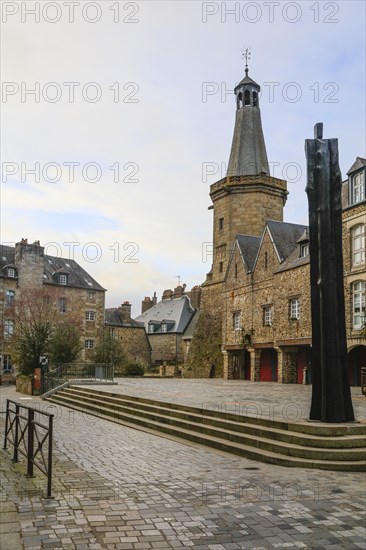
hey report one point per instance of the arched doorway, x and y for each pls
(356, 360)
(268, 366)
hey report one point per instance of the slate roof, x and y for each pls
(249, 247)
(247, 80)
(285, 237)
(359, 163)
(188, 333)
(293, 261)
(178, 310)
(77, 276)
(7, 257)
(113, 317)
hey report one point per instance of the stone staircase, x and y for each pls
(306, 445)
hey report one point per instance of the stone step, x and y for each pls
(229, 429)
(265, 449)
(314, 428)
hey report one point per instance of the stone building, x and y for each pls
(79, 297)
(255, 308)
(241, 204)
(130, 333)
(354, 263)
(166, 323)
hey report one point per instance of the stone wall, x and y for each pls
(243, 204)
(205, 348)
(135, 344)
(166, 347)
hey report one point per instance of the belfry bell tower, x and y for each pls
(248, 195)
(242, 202)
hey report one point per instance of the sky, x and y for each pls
(116, 117)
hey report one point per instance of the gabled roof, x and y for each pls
(359, 163)
(77, 276)
(113, 317)
(284, 237)
(248, 246)
(178, 310)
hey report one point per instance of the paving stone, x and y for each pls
(119, 488)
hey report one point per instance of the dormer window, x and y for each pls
(11, 272)
(164, 327)
(304, 250)
(151, 329)
(62, 279)
(357, 188)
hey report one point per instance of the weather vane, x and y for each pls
(178, 277)
(246, 55)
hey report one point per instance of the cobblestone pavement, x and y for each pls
(119, 488)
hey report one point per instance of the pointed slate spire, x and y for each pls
(248, 155)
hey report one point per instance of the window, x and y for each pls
(265, 260)
(9, 298)
(90, 315)
(164, 327)
(236, 271)
(304, 250)
(91, 296)
(267, 316)
(358, 306)
(151, 329)
(112, 333)
(295, 309)
(89, 344)
(221, 223)
(62, 279)
(358, 245)
(11, 272)
(358, 188)
(8, 328)
(7, 364)
(236, 320)
(62, 305)
(221, 267)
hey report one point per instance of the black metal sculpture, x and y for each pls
(331, 396)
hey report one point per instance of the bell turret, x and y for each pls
(248, 155)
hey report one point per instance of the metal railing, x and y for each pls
(86, 372)
(31, 438)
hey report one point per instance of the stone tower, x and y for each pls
(248, 195)
(242, 202)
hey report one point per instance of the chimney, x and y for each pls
(146, 304)
(195, 296)
(29, 260)
(155, 300)
(167, 294)
(178, 291)
(125, 310)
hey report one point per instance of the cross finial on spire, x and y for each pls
(246, 55)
